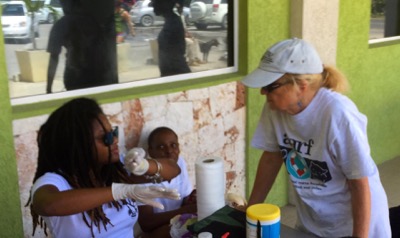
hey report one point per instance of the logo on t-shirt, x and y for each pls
(132, 208)
(297, 166)
(304, 168)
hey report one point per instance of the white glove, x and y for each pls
(144, 194)
(135, 161)
(234, 200)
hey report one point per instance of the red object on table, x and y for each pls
(225, 235)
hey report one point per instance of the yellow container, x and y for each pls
(263, 221)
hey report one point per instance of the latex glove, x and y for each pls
(135, 161)
(144, 194)
(235, 200)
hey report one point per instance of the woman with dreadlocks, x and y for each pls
(81, 189)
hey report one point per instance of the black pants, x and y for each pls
(394, 214)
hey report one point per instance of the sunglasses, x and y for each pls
(109, 136)
(270, 88)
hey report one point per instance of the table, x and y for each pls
(231, 220)
(289, 232)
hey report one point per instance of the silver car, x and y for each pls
(51, 11)
(209, 12)
(142, 14)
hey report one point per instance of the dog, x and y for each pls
(205, 48)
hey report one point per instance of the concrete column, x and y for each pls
(316, 21)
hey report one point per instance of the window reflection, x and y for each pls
(137, 57)
(385, 19)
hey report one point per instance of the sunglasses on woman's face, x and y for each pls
(109, 136)
(270, 88)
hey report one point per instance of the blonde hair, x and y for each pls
(330, 78)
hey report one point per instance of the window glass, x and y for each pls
(13, 10)
(55, 3)
(385, 19)
(211, 36)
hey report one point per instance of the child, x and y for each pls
(163, 143)
(80, 188)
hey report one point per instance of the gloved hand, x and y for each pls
(235, 200)
(144, 194)
(135, 161)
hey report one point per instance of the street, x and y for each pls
(139, 57)
(377, 28)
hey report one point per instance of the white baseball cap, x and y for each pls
(294, 56)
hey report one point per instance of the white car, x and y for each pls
(16, 21)
(142, 13)
(209, 12)
(46, 15)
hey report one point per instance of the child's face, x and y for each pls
(103, 150)
(165, 145)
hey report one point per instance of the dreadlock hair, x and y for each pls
(67, 147)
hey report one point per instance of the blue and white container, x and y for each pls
(263, 221)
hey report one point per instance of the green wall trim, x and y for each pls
(10, 210)
(389, 42)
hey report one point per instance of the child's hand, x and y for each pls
(191, 199)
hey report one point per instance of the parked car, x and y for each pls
(16, 21)
(209, 12)
(46, 15)
(142, 13)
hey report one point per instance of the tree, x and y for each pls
(378, 7)
(33, 7)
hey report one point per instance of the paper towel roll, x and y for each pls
(210, 186)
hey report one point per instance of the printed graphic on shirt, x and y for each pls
(297, 166)
(133, 209)
(304, 168)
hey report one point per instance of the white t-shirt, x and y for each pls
(74, 226)
(331, 146)
(181, 183)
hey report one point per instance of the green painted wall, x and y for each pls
(373, 72)
(268, 23)
(10, 211)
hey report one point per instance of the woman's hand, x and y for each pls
(135, 161)
(143, 194)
